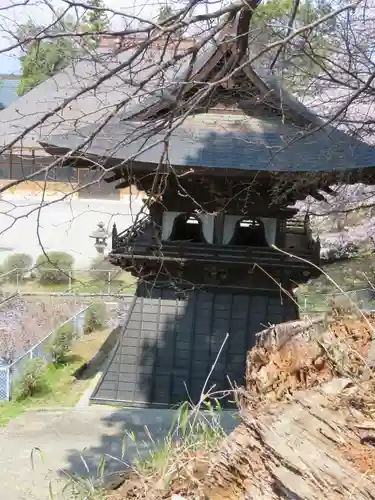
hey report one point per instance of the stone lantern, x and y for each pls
(100, 236)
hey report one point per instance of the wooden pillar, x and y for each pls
(219, 222)
(280, 233)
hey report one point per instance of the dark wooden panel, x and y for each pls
(21, 166)
(92, 185)
(170, 345)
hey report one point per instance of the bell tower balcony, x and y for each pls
(222, 242)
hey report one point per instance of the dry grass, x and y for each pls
(88, 345)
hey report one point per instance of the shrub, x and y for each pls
(60, 346)
(54, 267)
(17, 261)
(339, 250)
(95, 317)
(31, 381)
(100, 268)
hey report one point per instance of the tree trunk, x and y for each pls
(303, 449)
(302, 436)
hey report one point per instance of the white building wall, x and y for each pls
(65, 225)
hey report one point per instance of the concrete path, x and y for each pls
(84, 401)
(73, 441)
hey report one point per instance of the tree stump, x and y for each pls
(298, 450)
(302, 406)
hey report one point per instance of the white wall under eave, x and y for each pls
(270, 227)
(167, 224)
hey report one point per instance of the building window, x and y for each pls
(187, 227)
(249, 232)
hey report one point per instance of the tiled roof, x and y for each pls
(237, 142)
(90, 107)
(248, 142)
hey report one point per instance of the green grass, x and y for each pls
(353, 274)
(59, 391)
(61, 388)
(179, 462)
(125, 283)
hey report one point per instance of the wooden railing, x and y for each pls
(299, 226)
(126, 244)
(123, 239)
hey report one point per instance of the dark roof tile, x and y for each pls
(254, 145)
(91, 107)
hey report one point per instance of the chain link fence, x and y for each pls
(4, 383)
(363, 299)
(116, 313)
(9, 374)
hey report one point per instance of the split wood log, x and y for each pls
(303, 449)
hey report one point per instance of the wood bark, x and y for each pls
(302, 449)
(301, 436)
(277, 336)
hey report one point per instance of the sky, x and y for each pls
(16, 12)
(13, 13)
(9, 65)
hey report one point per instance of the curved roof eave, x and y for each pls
(323, 149)
(191, 145)
(287, 99)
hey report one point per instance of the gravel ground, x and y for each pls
(73, 442)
